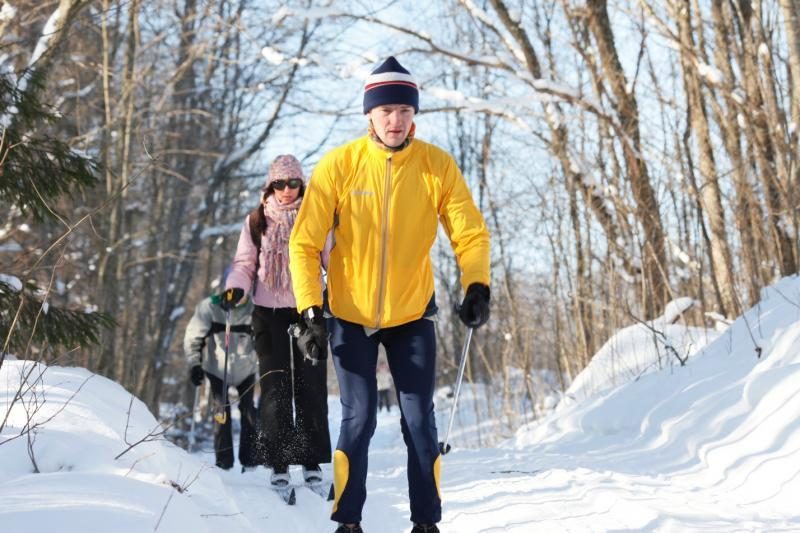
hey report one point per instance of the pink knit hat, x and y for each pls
(284, 167)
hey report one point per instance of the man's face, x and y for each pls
(392, 122)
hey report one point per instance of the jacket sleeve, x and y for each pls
(197, 331)
(465, 227)
(309, 235)
(243, 269)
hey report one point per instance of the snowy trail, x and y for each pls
(565, 485)
(387, 503)
(614, 464)
(265, 511)
(712, 446)
(495, 490)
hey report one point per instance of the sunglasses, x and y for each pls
(293, 183)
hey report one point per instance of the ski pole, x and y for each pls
(291, 332)
(222, 416)
(192, 438)
(443, 446)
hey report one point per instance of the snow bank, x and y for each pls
(639, 349)
(723, 431)
(76, 470)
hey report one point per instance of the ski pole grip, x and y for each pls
(294, 330)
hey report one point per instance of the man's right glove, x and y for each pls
(474, 310)
(230, 298)
(313, 338)
(196, 375)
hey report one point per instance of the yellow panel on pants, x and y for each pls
(437, 472)
(341, 472)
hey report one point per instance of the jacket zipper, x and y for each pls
(384, 240)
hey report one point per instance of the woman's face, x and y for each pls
(286, 191)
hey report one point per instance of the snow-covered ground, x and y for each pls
(710, 446)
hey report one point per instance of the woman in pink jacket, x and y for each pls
(293, 408)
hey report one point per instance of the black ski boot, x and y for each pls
(312, 473)
(349, 529)
(281, 482)
(280, 477)
(425, 528)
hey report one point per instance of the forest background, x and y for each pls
(624, 154)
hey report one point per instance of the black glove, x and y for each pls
(313, 338)
(196, 375)
(230, 298)
(474, 310)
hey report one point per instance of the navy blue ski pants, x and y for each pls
(411, 354)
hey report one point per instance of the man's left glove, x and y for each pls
(474, 310)
(313, 338)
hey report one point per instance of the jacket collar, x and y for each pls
(378, 151)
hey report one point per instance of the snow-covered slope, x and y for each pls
(710, 446)
(714, 445)
(639, 349)
(65, 476)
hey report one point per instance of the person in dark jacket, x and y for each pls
(207, 329)
(384, 382)
(294, 390)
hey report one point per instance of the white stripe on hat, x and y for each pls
(389, 76)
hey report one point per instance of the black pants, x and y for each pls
(286, 439)
(223, 438)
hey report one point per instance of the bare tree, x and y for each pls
(648, 214)
(759, 110)
(708, 191)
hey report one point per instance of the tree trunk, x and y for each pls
(106, 265)
(765, 150)
(791, 21)
(709, 193)
(748, 216)
(654, 260)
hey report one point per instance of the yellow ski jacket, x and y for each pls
(384, 208)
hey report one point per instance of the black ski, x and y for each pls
(286, 494)
(321, 489)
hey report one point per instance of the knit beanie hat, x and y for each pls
(390, 84)
(284, 167)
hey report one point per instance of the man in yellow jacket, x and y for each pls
(383, 195)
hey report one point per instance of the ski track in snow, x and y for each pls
(608, 483)
(504, 490)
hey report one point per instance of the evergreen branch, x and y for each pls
(57, 327)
